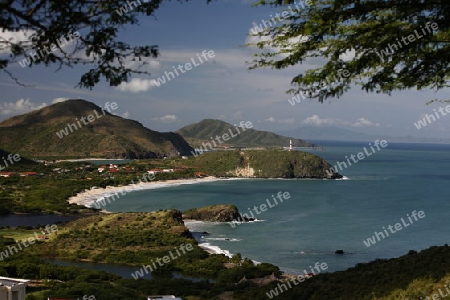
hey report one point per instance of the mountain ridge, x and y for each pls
(35, 134)
(207, 129)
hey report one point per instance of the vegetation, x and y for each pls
(265, 163)
(350, 38)
(97, 46)
(412, 276)
(126, 238)
(213, 213)
(202, 132)
(35, 135)
(49, 191)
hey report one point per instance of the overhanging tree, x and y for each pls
(43, 24)
(380, 45)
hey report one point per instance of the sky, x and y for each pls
(221, 87)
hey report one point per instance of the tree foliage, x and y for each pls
(380, 45)
(43, 23)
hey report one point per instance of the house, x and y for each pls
(7, 174)
(200, 174)
(12, 289)
(26, 174)
(167, 170)
(41, 237)
(163, 297)
(154, 171)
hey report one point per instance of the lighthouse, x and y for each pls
(290, 145)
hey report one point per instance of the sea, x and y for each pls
(389, 187)
(321, 216)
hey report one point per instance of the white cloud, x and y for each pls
(361, 122)
(281, 121)
(13, 37)
(21, 106)
(137, 85)
(166, 119)
(316, 120)
(60, 99)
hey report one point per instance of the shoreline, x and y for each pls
(211, 249)
(92, 159)
(198, 236)
(88, 197)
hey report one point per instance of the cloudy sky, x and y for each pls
(221, 87)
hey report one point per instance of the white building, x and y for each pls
(12, 289)
(163, 297)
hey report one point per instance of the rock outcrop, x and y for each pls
(213, 213)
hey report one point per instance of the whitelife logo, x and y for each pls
(49, 229)
(34, 56)
(12, 158)
(296, 280)
(280, 17)
(263, 207)
(406, 40)
(397, 226)
(225, 137)
(431, 118)
(187, 67)
(356, 158)
(86, 120)
(165, 260)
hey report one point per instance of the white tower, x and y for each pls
(290, 145)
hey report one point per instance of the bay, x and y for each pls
(322, 216)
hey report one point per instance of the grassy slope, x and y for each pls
(34, 134)
(129, 238)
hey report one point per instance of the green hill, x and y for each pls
(39, 134)
(203, 131)
(270, 163)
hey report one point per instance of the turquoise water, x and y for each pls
(325, 215)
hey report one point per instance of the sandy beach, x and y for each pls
(88, 197)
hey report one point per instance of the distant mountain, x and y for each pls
(203, 131)
(341, 134)
(58, 131)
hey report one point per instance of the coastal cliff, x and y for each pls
(264, 164)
